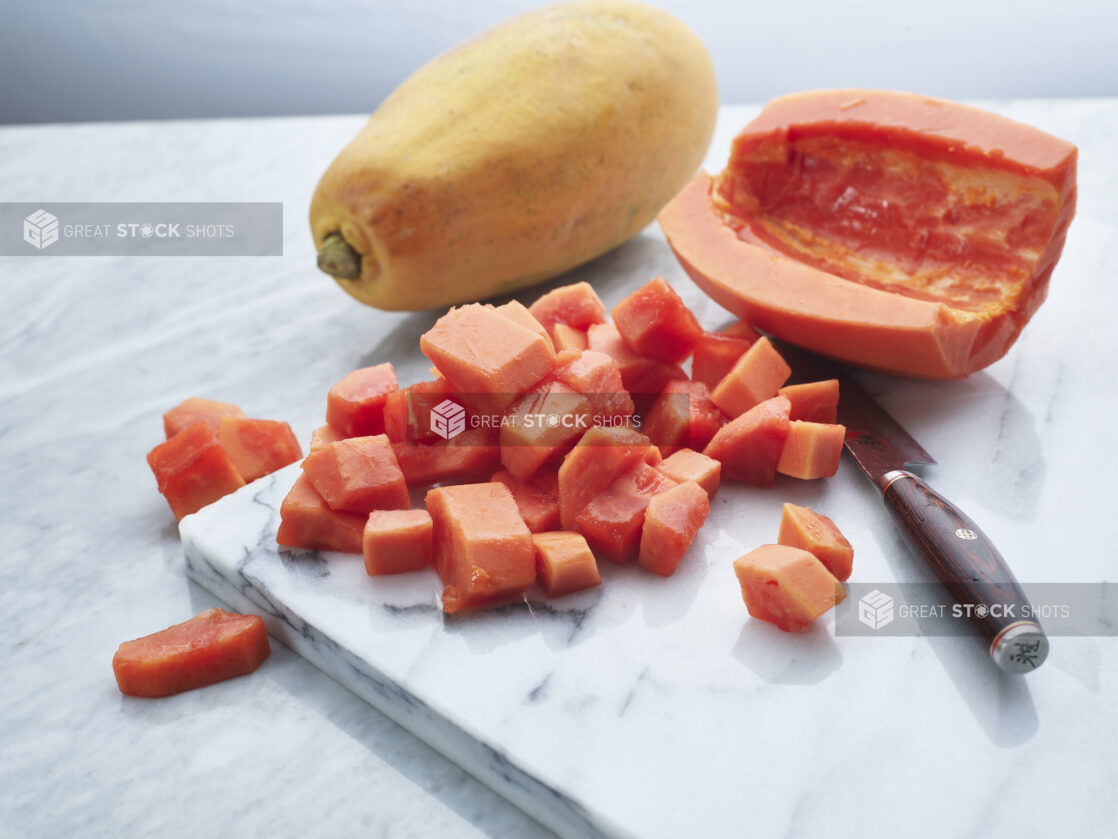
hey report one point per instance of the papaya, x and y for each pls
(517, 155)
(888, 230)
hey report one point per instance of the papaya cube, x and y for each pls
(813, 401)
(756, 376)
(653, 457)
(518, 313)
(811, 450)
(407, 412)
(258, 447)
(671, 522)
(470, 454)
(802, 527)
(197, 409)
(577, 306)
(683, 415)
(539, 424)
(307, 522)
(193, 470)
(564, 563)
(786, 586)
(323, 436)
(601, 455)
(537, 498)
(568, 338)
(643, 377)
(714, 355)
(397, 541)
(750, 446)
(741, 329)
(596, 376)
(484, 354)
(355, 405)
(688, 465)
(358, 475)
(482, 548)
(656, 323)
(612, 521)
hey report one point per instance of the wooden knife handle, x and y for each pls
(972, 570)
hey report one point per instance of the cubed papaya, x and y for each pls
(258, 447)
(197, 409)
(802, 527)
(210, 647)
(714, 355)
(473, 453)
(307, 522)
(397, 541)
(576, 305)
(688, 465)
(612, 521)
(568, 338)
(407, 412)
(355, 405)
(323, 436)
(537, 498)
(756, 376)
(193, 470)
(483, 354)
(518, 313)
(564, 563)
(786, 586)
(358, 475)
(683, 416)
(596, 376)
(539, 424)
(671, 522)
(654, 322)
(811, 450)
(813, 401)
(750, 446)
(742, 329)
(482, 549)
(643, 377)
(601, 455)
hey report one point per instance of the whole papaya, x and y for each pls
(523, 152)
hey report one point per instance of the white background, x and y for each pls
(137, 59)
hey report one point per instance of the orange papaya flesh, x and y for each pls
(786, 586)
(306, 521)
(802, 527)
(564, 563)
(687, 465)
(355, 405)
(612, 521)
(811, 450)
(749, 447)
(812, 401)
(654, 322)
(397, 541)
(192, 469)
(671, 522)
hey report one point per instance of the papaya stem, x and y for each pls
(338, 259)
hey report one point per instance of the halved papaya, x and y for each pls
(890, 230)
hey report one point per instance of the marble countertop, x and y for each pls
(92, 350)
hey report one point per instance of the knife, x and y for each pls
(960, 555)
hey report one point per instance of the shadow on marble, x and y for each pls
(787, 658)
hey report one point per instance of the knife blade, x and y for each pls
(960, 555)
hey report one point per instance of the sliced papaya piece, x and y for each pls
(568, 338)
(656, 323)
(192, 469)
(755, 377)
(541, 423)
(889, 230)
(576, 305)
(813, 401)
(358, 475)
(396, 541)
(601, 455)
(597, 376)
(811, 450)
(750, 446)
(671, 522)
(471, 454)
(564, 563)
(714, 355)
(743, 330)
(683, 415)
(612, 521)
(643, 377)
(258, 447)
(688, 465)
(786, 586)
(518, 313)
(197, 409)
(355, 405)
(482, 549)
(323, 436)
(802, 527)
(306, 521)
(537, 498)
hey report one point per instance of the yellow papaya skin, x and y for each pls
(519, 154)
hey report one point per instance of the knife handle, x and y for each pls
(972, 570)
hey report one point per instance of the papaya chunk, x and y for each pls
(564, 563)
(210, 647)
(813, 401)
(714, 355)
(687, 465)
(358, 475)
(541, 423)
(786, 586)
(306, 521)
(258, 447)
(197, 409)
(596, 376)
(641, 375)
(750, 446)
(396, 541)
(192, 469)
(471, 454)
(612, 521)
(355, 405)
(811, 450)
(568, 338)
(671, 522)
(654, 322)
(537, 498)
(323, 436)
(577, 306)
(755, 377)
(599, 457)
(518, 313)
(683, 416)
(802, 527)
(482, 548)
(889, 230)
